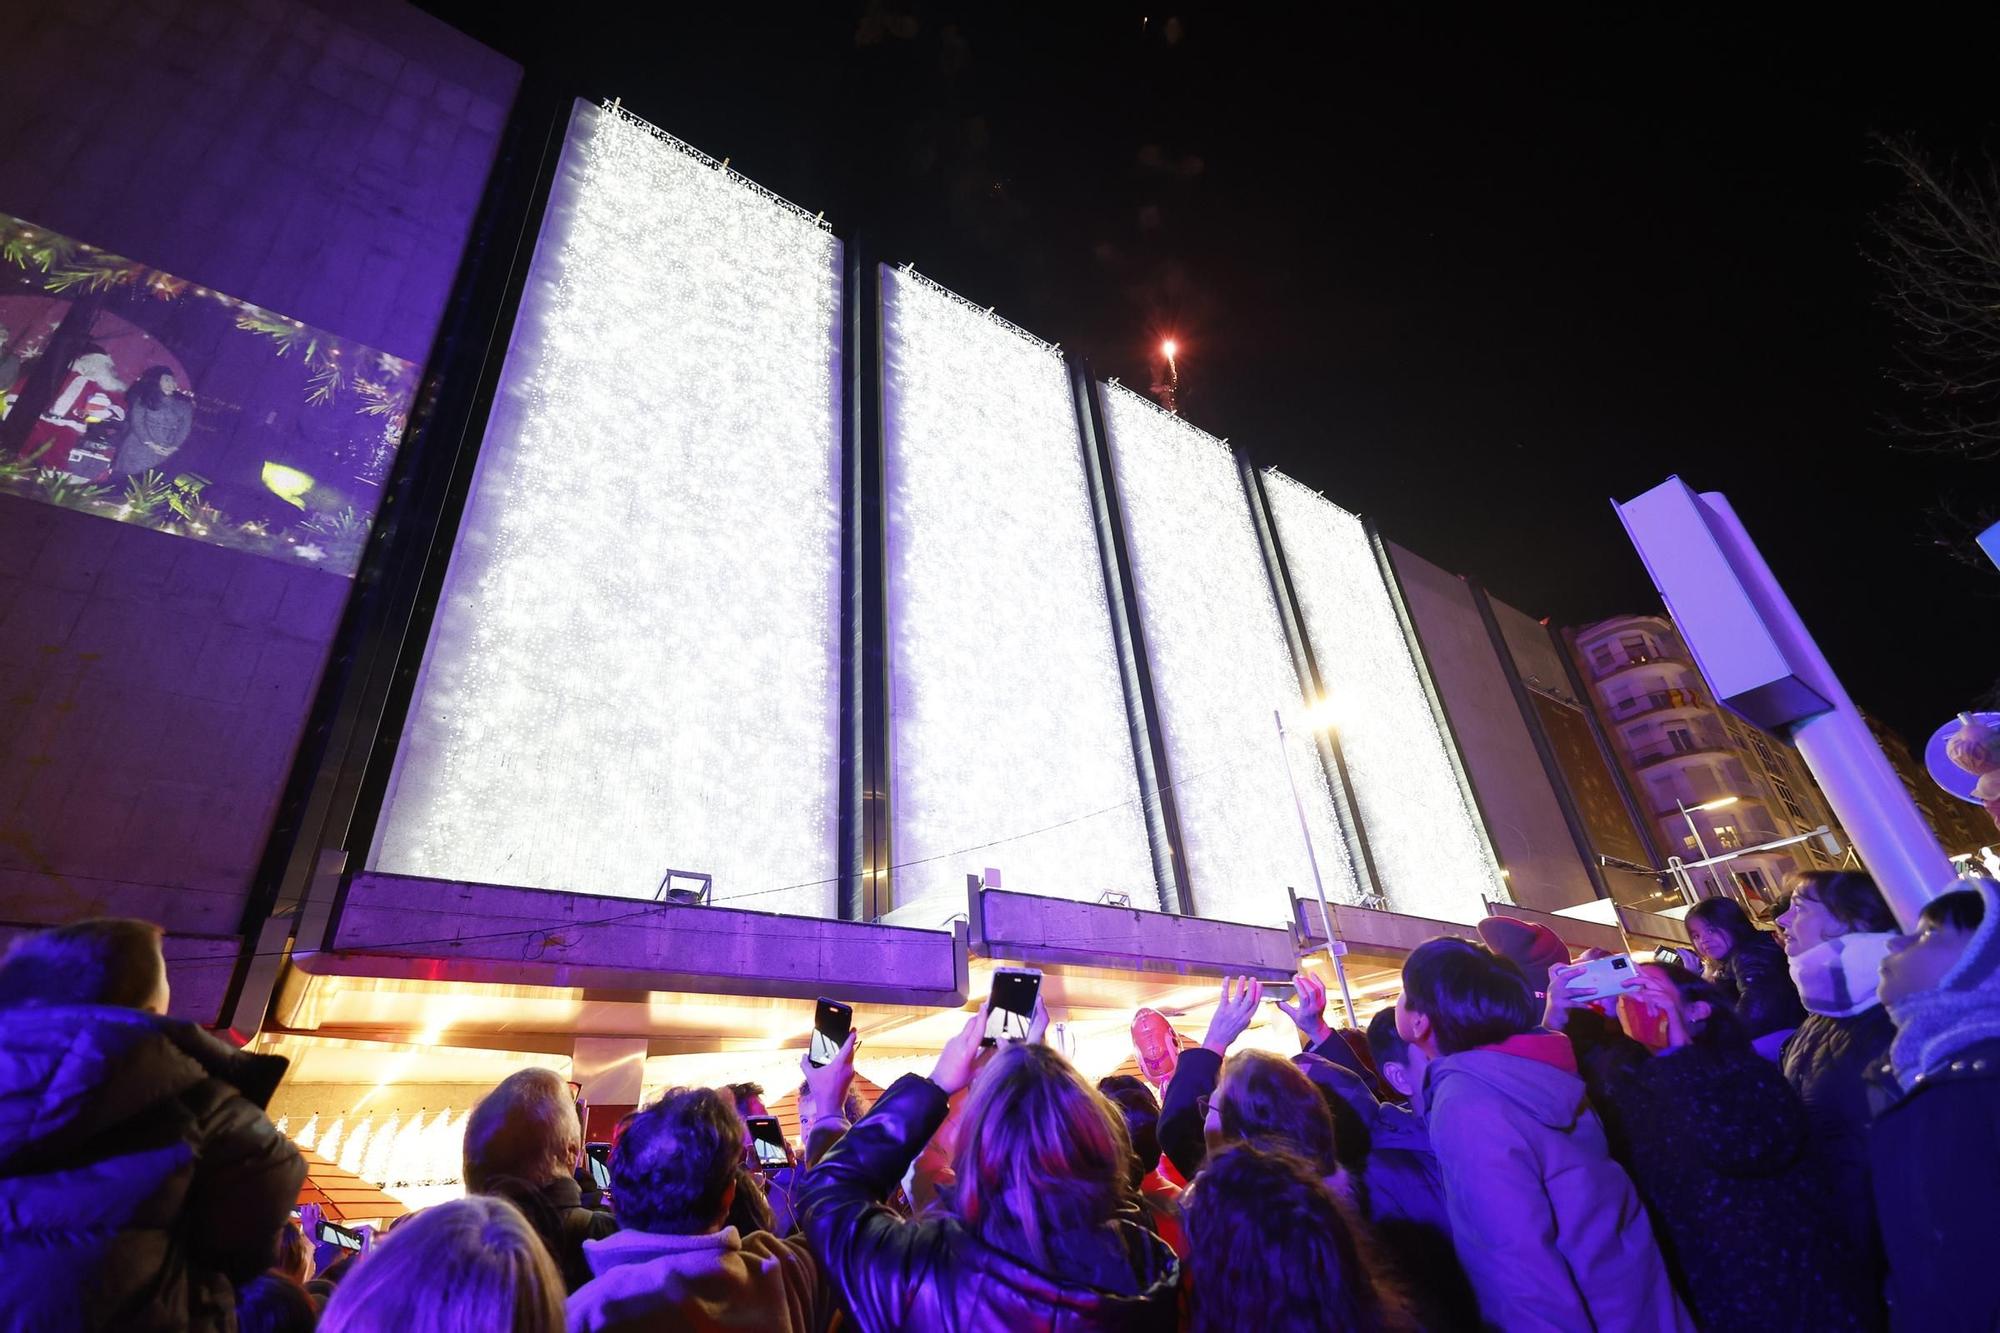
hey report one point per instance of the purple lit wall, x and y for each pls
(324, 162)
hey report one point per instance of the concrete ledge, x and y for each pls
(442, 930)
(1390, 934)
(1060, 930)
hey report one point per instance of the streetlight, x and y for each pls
(1688, 813)
(1321, 714)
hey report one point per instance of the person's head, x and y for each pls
(1528, 945)
(155, 385)
(810, 1114)
(1954, 947)
(1699, 1007)
(674, 1173)
(108, 960)
(294, 1257)
(1140, 1109)
(747, 1098)
(1718, 927)
(1040, 1154)
(273, 1303)
(1458, 996)
(1826, 904)
(525, 1128)
(1400, 1064)
(470, 1263)
(1266, 1099)
(1269, 1247)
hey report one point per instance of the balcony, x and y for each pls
(1658, 701)
(1621, 662)
(1652, 756)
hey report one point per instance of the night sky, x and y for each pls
(1473, 275)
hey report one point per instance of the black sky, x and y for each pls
(1472, 274)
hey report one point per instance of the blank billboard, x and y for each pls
(1009, 742)
(634, 665)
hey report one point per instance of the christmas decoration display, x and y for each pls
(104, 408)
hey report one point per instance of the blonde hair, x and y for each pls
(526, 1127)
(467, 1266)
(1040, 1151)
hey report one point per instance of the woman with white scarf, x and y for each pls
(1838, 930)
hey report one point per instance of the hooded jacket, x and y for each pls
(1548, 1227)
(718, 1281)
(139, 1176)
(934, 1273)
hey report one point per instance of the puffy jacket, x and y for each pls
(1756, 978)
(139, 1176)
(1550, 1229)
(1720, 1159)
(1937, 1172)
(933, 1273)
(1827, 1062)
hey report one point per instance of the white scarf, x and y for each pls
(1837, 977)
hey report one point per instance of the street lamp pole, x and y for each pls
(1334, 949)
(1688, 813)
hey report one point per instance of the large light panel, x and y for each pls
(1431, 857)
(633, 667)
(1220, 669)
(1010, 746)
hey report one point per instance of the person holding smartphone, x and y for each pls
(1041, 1228)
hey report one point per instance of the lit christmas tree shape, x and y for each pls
(1431, 857)
(633, 667)
(1221, 669)
(1008, 714)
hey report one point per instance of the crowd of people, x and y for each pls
(1800, 1131)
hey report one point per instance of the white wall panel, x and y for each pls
(634, 665)
(1430, 855)
(1220, 667)
(1008, 717)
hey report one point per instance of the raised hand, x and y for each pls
(1307, 1009)
(1563, 996)
(1038, 1026)
(829, 1082)
(1240, 998)
(962, 1055)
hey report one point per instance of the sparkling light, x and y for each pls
(1430, 856)
(1220, 668)
(633, 667)
(1008, 713)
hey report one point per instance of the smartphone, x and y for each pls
(599, 1157)
(767, 1140)
(1665, 954)
(1011, 1005)
(832, 1021)
(332, 1233)
(1605, 978)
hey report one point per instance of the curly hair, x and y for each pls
(1270, 1247)
(676, 1162)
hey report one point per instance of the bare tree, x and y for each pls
(1939, 253)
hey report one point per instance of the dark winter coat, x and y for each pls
(1828, 1062)
(152, 432)
(934, 1273)
(1758, 981)
(139, 1176)
(1936, 1156)
(556, 1212)
(1720, 1161)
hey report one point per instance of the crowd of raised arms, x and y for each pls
(1797, 1129)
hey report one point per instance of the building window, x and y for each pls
(1681, 739)
(1727, 836)
(1753, 882)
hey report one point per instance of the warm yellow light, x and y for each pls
(287, 483)
(1323, 714)
(1169, 348)
(1718, 803)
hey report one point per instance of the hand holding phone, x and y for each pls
(832, 1021)
(1603, 978)
(1010, 1007)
